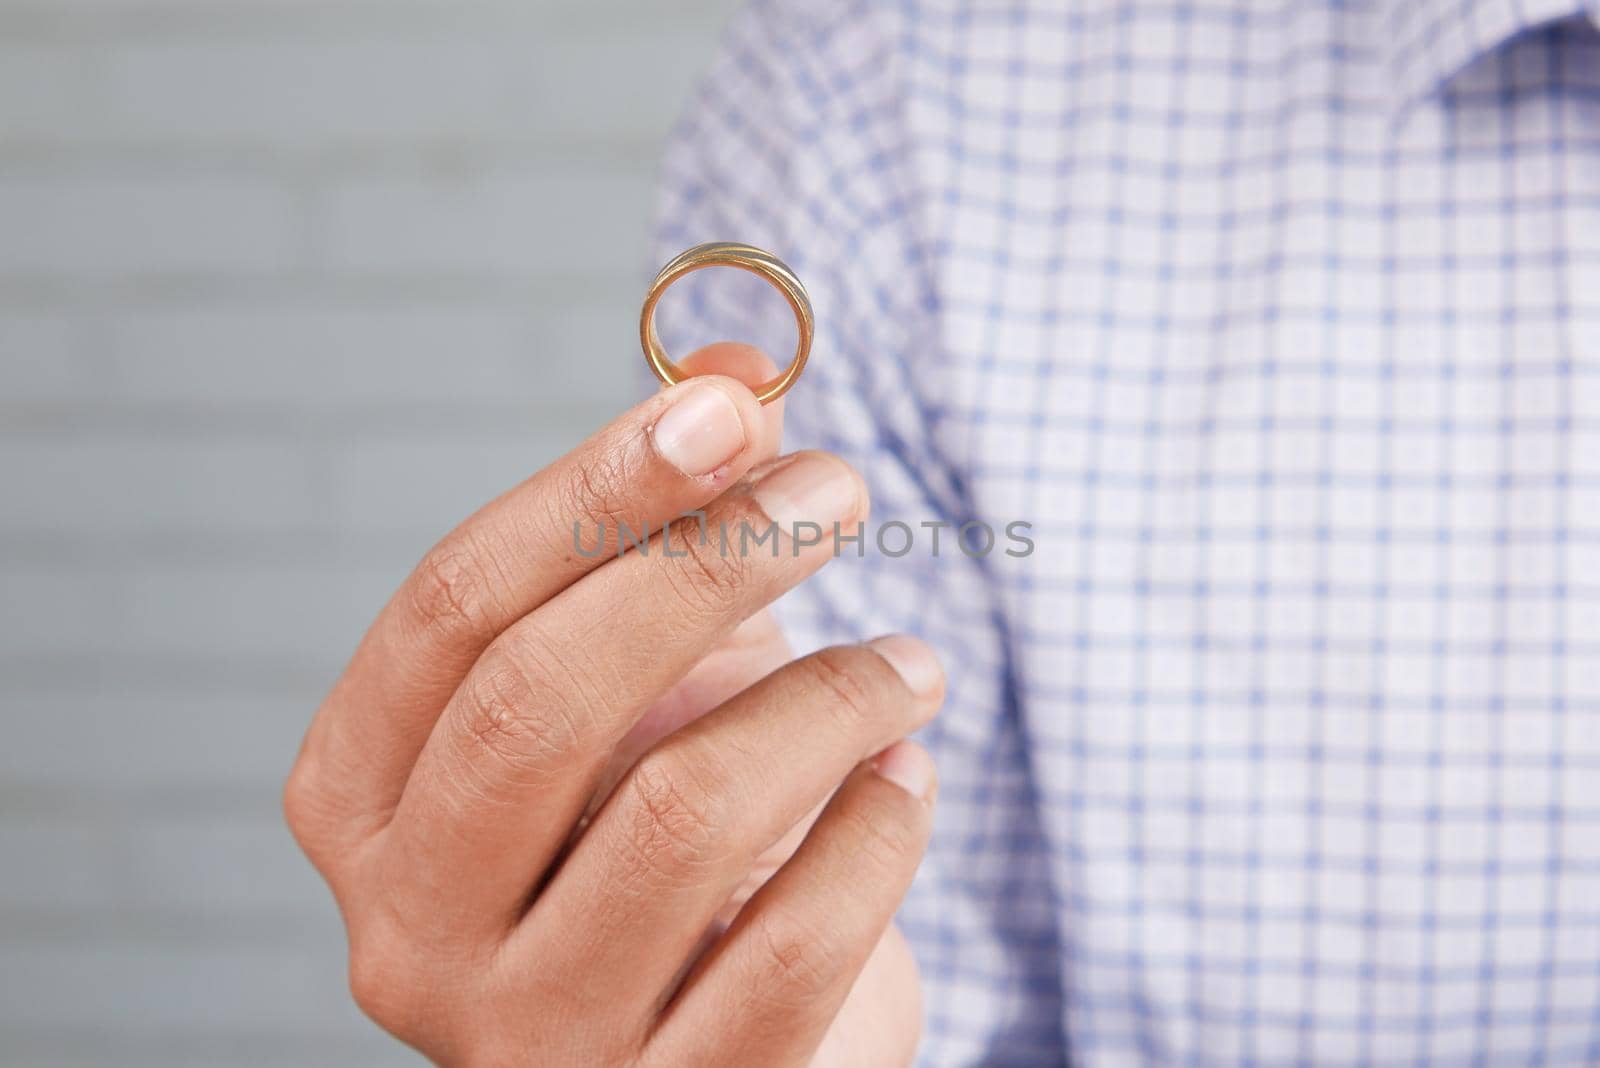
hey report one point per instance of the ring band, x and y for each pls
(745, 257)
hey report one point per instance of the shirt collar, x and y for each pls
(1429, 42)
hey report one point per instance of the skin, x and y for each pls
(590, 811)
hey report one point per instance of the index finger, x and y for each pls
(668, 455)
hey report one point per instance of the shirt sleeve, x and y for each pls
(798, 141)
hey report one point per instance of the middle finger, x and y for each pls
(685, 826)
(522, 743)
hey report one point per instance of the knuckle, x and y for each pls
(886, 838)
(598, 487)
(304, 809)
(515, 716)
(449, 590)
(708, 577)
(796, 964)
(848, 677)
(314, 816)
(675, 824)
(385, 975)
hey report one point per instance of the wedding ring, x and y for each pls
(745, 257)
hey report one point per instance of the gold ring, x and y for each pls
(745, 257)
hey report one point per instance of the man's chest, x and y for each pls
(1305, 407)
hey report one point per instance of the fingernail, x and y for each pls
(700, 432)
(909, 767)
(917, 664)
(810, 488)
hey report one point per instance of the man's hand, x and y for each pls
(697, 915)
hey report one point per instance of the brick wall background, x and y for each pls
(286, 287)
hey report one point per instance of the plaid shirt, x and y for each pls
(1280, 322)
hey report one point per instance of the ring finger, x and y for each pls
(769, 989)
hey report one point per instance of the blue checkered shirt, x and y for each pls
(1280, 322)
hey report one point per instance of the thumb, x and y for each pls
(749, 365)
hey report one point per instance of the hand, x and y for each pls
(513, 681)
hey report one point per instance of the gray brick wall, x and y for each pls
(286, 287)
